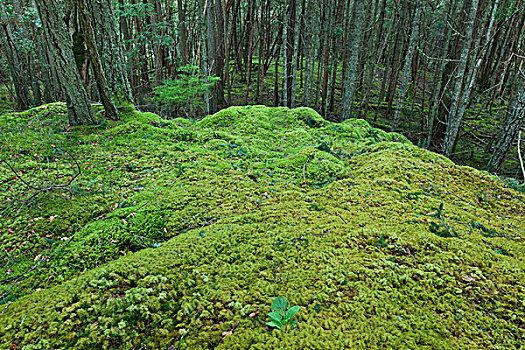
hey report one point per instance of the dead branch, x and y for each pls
(46, 185)
(304, 170)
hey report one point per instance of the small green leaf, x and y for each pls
(280, 305)
(274, 324)
(291, 313)
(317, 308)
(275, 316)
(50, 241)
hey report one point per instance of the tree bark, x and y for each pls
(406, 73)
(63, 62)
(438, 75)
(454, 120)
(212, 56)
(352, 63)
(511, 126)
(16, 64)
(103, 91)
(183, 32)
(284, 48)
(295, 56)
(107, 38)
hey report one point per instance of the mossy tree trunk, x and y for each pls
(62, 62)
(50, 88)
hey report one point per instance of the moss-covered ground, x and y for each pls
(479, 131)
(179, 235)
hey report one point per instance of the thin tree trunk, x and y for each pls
(311, 42)
(438, 76)
(286, 19)
(16, 67)
(454, 120)
(352, 63)
(511, 126)
(406, 73)
(373, 57)
(212, 51)
(249, 54)
(295, 56)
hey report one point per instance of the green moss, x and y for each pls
(197, 227)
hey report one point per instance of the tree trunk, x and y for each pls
(49, 87)
(352, 61)
(103, 91)
(310, 45)
(438, 76)
(63, 62)
(454, 120)
(406, 73)
(107, 38)
(249, 53)
(295, 56)
(212, 52)
(16, 65)
(511, 126)
(284, 48)
(183, 33)
(158, 53)
(373, 57)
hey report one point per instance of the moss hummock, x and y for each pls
(181, 234)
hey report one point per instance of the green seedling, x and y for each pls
(282, 313)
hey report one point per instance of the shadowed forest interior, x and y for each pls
(447, 74)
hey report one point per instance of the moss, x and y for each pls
(190, 230)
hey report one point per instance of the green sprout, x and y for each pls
(282, 313)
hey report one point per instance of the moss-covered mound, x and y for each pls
(179, 235)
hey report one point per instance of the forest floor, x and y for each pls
(179, 234)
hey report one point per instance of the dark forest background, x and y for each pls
(447, 74)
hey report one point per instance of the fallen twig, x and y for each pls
(304, 169)
(507, 188)
(101, 250)
(49, 187)
(45, 258)
(463, 199)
